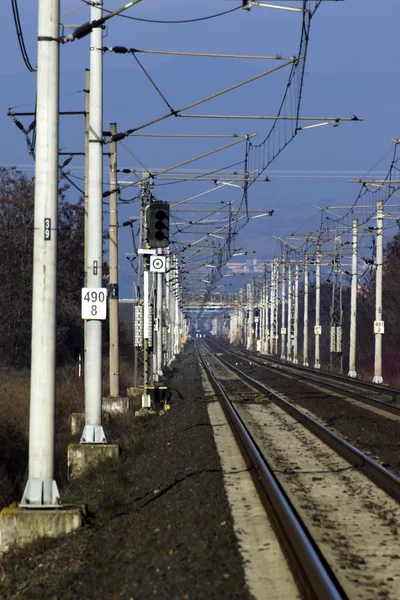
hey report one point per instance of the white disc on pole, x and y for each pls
(157, 264)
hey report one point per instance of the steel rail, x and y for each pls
(383, 478)
(315, 569)
(312, 375)
(395, 393)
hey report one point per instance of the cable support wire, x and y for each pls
(281, 134)
(171, 22)
(20, 37)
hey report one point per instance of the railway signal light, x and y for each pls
(157, 224)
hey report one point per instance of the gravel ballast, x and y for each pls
(159, 524)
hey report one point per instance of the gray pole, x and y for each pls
(283, 308)
(146, 403)
(93, 431)
(317, 331)
(41, 489)
(137, 287)
(296, 314)
(87, 113)
(353, 302)
(267, 331)
(160, 322)
(274, 307)
(113, 245)
(289, 315)
(86, 189)
(378, 325)
(305, 319)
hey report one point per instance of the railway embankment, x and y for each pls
(158, 522)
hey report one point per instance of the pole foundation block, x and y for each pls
(21, 526)
(77, 421)
(83, 457)
(134, 392)
(116, 406)
(352, 374)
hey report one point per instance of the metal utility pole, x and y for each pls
(296, 314)
(41, 489)
(289, 315)
(305, 318)
(336, 355)
(317, 328)
(353, 302)
(283, 308)
(113, 290)
(379, 323)
(93, 431)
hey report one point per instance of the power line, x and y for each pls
(14, 6)
(195, 20)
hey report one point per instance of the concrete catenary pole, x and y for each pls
(113, 291)
(317, 331)
(146, 400)
(353, 302)
(41, 488)
(93, 431)
(296, 314)
(289, 314)
(305, 318)
(250, 320)
(274, 307)
(378, 325)
(159, 317)
(283, 308)
(87, 116)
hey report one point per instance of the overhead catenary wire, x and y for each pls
(173, 22)
(20, 36)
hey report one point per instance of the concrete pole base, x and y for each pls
(377, 379)
(305, 363)
(83, 457)
(133, 392)
(352, 374)
(295, 361)
(116, 406)
(317, 366)
(145, 412)
(93, 434)
(19, 527)
(77, 421)
(41, 493)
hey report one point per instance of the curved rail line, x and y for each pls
(339, 384)
(383, 478)
(312, 564)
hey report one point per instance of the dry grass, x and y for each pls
(14, 423)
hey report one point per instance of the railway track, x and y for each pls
(316, 519)
(382, 397)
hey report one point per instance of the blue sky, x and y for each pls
(351, 69)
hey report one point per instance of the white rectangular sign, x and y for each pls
(94, 303)
(317, 329)
(157, 264)
(379, 327)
